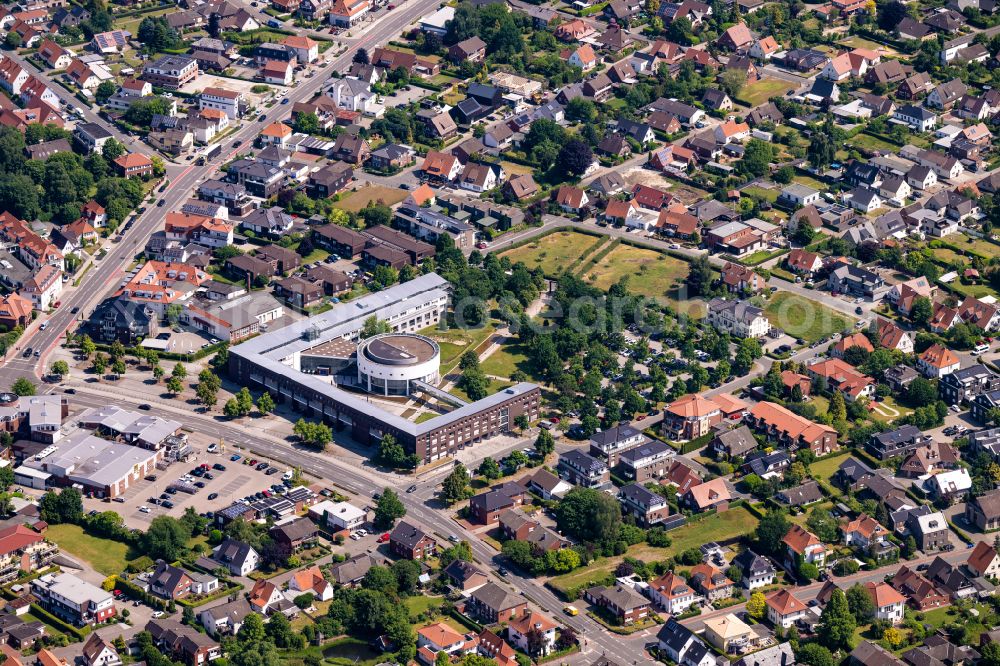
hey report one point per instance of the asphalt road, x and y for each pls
(106, 273)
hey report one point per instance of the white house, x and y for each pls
(888, 602)
(784, 609)
(739, 318)
(799, 195)
(671, 593)
(530, 622)
(353, 95)
(238, 557)
(338, 515)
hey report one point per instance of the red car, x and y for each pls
(383, 538)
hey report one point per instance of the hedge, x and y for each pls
(961, 534)
(223, 591)
(696, 443)
(80, 633)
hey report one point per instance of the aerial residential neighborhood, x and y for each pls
(499, 332)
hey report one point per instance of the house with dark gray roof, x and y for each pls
(412, 542)
(493, 603)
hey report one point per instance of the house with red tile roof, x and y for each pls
(937, 361)
(844, 378)
(690, 416)
(792, 430)
(863, 531)
(920, 593)
(984, 561)
(712, 494)
(523, 631)
(736, 38)
(803, 262)
(850, 341)
(671, 593)
(784, 609)
(711, 582)
(740, 279)
(134, 165)
(15, 310)
(571, 199)
(801, 545)
(887, 601)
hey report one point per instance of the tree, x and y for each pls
(165, 538)
(700, 276)
(575, 157)
(252, 629)
(361, 56)
(861, 604)
(179, 371)
(757, 605)
(87, 346)
(388, 509)
(732, 81)
(837, 625)
(475, 383)
(814, 654)
(455, 486)
(392, 454)
(544, 443)
(66, 506)
(174, 386)
(771, 530)
(265, 403)
(757, 158)
(822, 523)
(592, 516)
(838, 409)
(373, 326)
(59, 369)
(313, 434)
(112, 150)
(208, 393)
(489, 469)
(22, 386)
(921, 310)
(105, 90)
(12, 41)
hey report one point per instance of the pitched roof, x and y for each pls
(798, 539)
(692, 406)
(883, 594)
(784, 602)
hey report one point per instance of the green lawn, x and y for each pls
(419, 604)
(651, 274)
(762, 193)
(804, 318)
(556, 251)
(760, 257)
(948, 255)
(809, 181)
(355, 201)
(763, 90)
(986, 248)
(718, 527)
(889, 410)
(504, 361)
(456, 341)
(106, 556)
(869, 142)
(825, 469)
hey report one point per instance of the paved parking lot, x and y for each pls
(236, 481)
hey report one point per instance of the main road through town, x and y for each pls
(108, 273)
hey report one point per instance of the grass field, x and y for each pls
(718, 527)
(857, 42)
(554, 252)
(978, 245)
(419, 603)
(804, 318)
(355, 201)
(948, 256)
(809, 181)
(515, 169)
(106, 556)
(761, 193)
(869, 142)
(974, 290)
(889, 410)
(495, 387)
(456, 341)
(825, 469)
(763, 90)
(506, 360)
(652, 274)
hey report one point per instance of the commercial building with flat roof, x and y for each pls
(273, 362)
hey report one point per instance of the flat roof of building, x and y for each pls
(269, 351)
(400, 349)
(339, 348)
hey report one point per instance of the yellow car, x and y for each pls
(571, 610)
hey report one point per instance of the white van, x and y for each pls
(981, 348)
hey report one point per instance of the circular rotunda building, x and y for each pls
(388, 363)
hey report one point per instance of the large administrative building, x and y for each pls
(323, 368)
